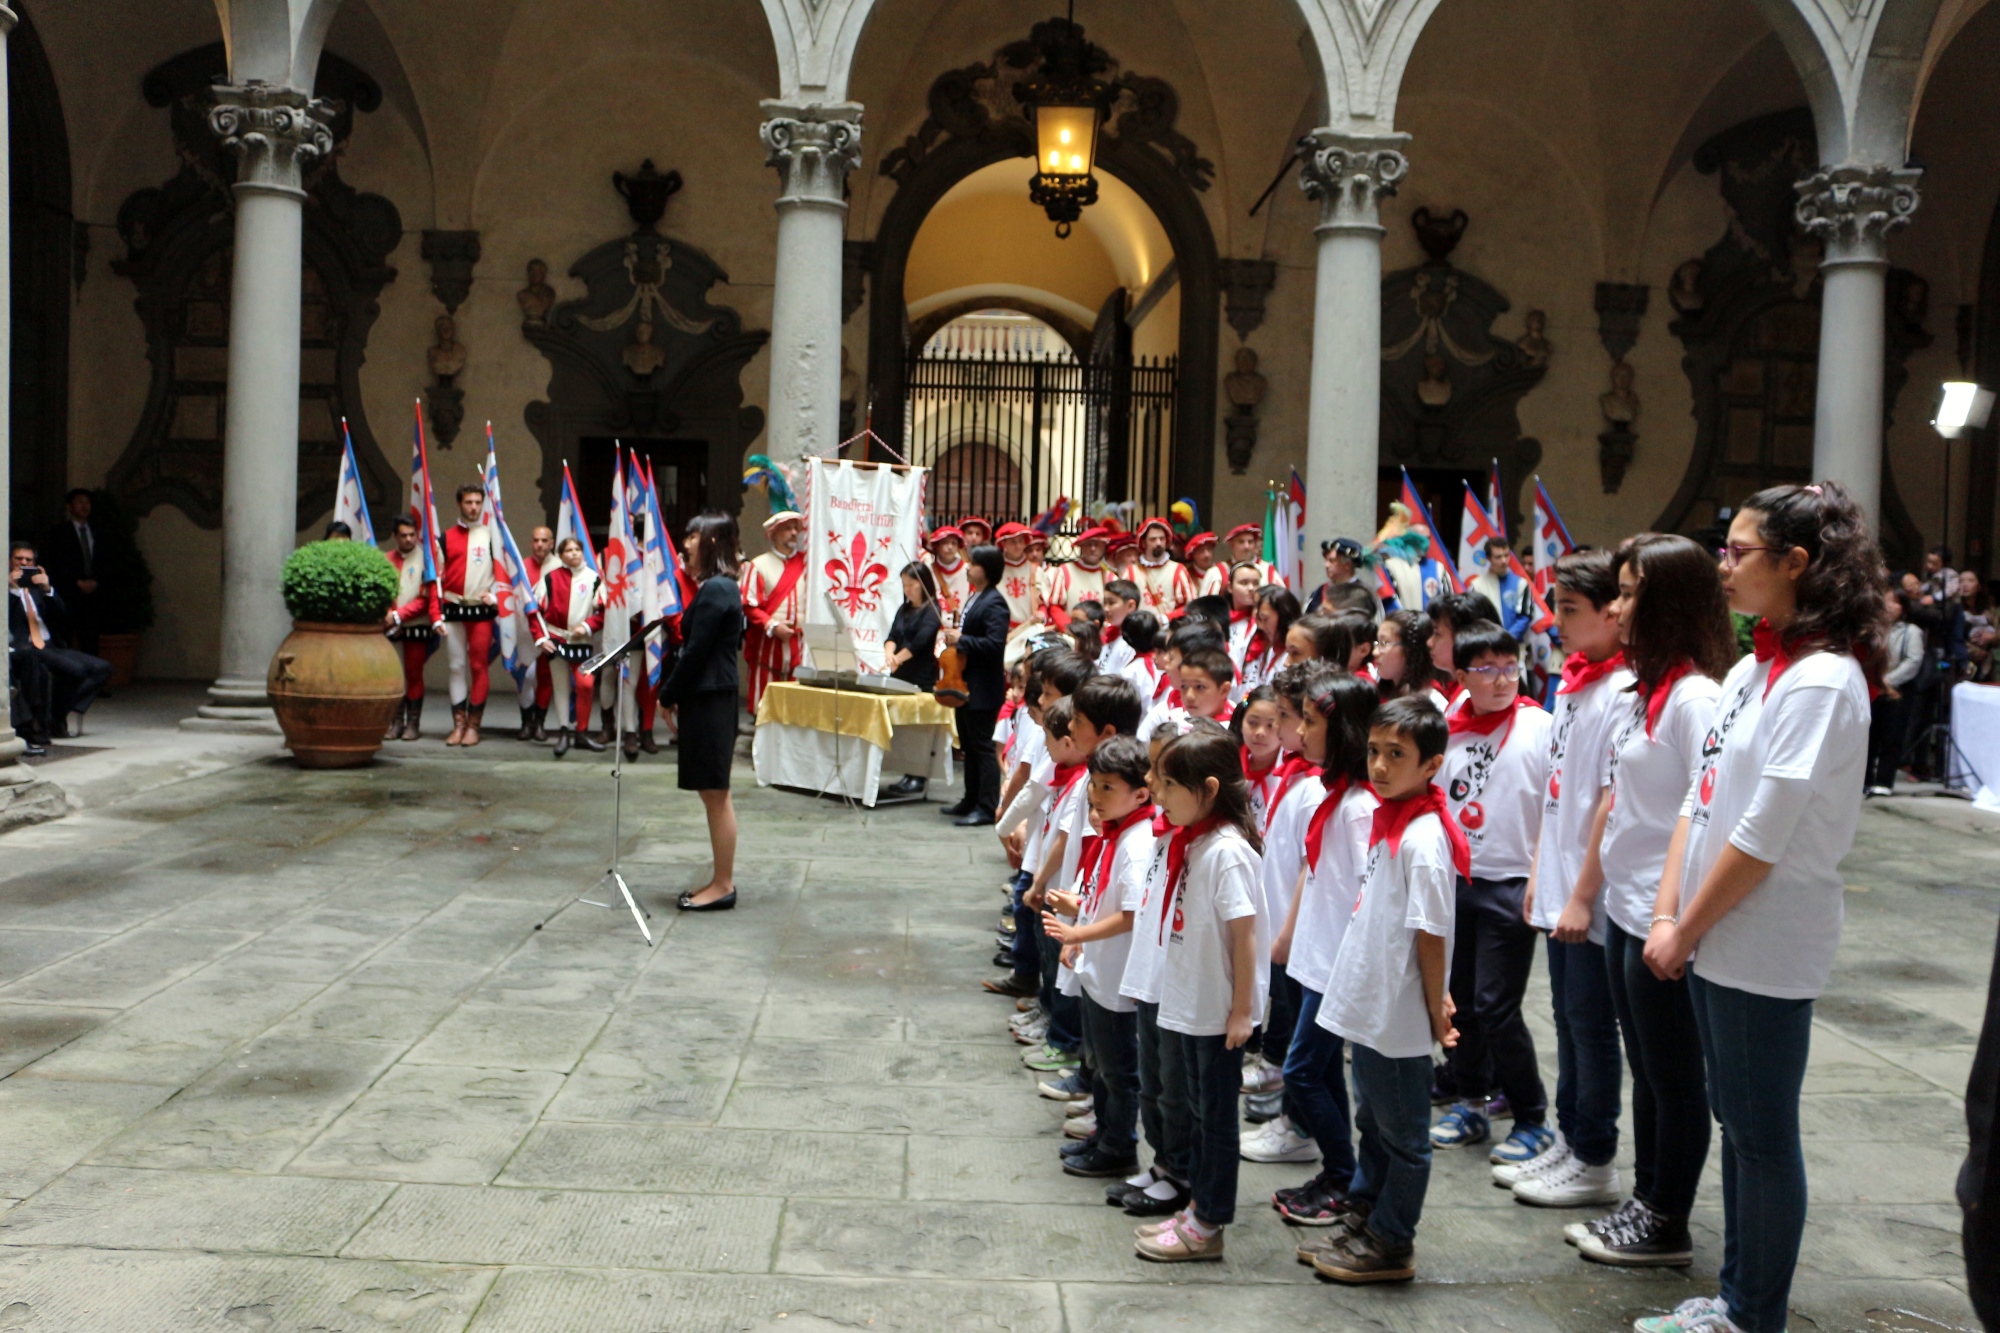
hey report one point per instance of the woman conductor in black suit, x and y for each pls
(982, 638)
(704, 686)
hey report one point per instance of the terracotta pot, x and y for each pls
(121, 650)
(335, 689)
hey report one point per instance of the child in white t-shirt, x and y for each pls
(1120, 599)
(1496, 766)
(1207, 919)
(1058, 848)
(1094, 926)
(1141, 634)
(1255, 723)
(1387, 997)
(1189, 637)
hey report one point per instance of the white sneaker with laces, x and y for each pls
(1509, 1174)
(1572, 1185)
(1279, 1143)
(1701, 1314)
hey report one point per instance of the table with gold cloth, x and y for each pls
(842, 742)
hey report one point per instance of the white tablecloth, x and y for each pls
(1975, 730)
(815, 761)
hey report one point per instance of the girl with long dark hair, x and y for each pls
(1403, 658)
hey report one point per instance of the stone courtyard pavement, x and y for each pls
(285, 1051)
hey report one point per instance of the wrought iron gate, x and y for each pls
(1008, 434)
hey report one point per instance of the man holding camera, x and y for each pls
(54, 679)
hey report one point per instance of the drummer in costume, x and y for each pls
(1082, 579)
(1019, 586)
(541, 559)
(774, 604)
(1165, 586)
(412, 624)
(470, 607)
(946, 557)
(566, 627)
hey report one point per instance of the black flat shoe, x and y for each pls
(954, 811)
(1142, 1204)
(726, 903)
(977, 819)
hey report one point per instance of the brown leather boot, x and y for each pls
(458, 719)
(527, 731)
(647, 743)
(472, 719)
(631, 745)
(397, 723)
(414, 720)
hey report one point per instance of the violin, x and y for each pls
(950, 688)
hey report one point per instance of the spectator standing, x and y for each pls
(70, 553)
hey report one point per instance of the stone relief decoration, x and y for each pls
(452, 256)
(1246, 285)
(1621, 306)
(179, 239)
(978, 102)
(1451, 386)
(644, 355)
(1747, 315)
(1246, 389)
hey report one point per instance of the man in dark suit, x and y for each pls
(70, 552)
(982, 638)
(36, 622)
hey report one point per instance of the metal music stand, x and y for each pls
(597, 666)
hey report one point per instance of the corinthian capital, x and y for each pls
(813, 145)
(1853, 209)
(1350, 175)
(275, 132)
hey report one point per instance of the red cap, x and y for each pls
(1159, 523)
(1036, 537)
(1092, 535)
(1246, 529)
(1200, 539)
(1007, 530)
(946, 531)
(1120, 541)
(971, 519)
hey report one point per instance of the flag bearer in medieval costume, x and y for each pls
(1165, 586)
(1082, 579)
(1019, 586)
(566, 627)
(1038, 560)
(978, 532)
(411, 624)
(774, 604)
(1246, 544)
(470, 607)
(946, 558)
(541, 559)
(1199, 553)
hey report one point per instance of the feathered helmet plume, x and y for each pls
(764, 473)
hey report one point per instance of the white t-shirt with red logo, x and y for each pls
(1577, 737)
(1149, 943)
(1102, 967)
(1285, 849)
(1197, 976)
(1780, 781)
(1495, 785)
(1326, 904)
(1649, 783)
(1376, 996)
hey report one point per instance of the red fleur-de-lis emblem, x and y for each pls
(857, 586)
(616, 579)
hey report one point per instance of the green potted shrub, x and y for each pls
(335, 681)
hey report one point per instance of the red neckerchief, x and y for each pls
(1776, 649)
(1177, 858)
(1450, 689)
(1579, 671)
(1101, 849)
(1656, 697)
(1393, 817)
(1237, 615)
(1290, 770)
(1228, 711)
(1255, 775)
(1336, 791)
(1067, 776)
(1462, 720)
(1173, 694)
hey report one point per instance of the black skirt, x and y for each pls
(707, 742)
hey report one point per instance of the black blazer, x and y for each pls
(62, 554)
(983, 640)
(711, 640)
(915, 631)
(48, 605)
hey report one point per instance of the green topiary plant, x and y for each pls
(338, 582)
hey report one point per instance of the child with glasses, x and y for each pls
(1496, 765)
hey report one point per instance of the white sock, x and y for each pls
(1197, 1228)
(1161, 1189)
(1142, 1180)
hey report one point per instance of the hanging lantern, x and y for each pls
(1067, 103)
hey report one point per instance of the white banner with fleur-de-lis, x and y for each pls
(864, 523)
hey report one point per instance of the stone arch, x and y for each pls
(925, 327)
(1864, 63)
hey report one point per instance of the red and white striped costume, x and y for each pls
(1073, 584)
(467, 579)
(953, 587)
(774, 592)
(571, 612)
(417, 609)
(1165, 589)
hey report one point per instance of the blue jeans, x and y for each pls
(1213, 1077)
(1027, 930)
(1316, 1092)
(1392, 1109)
(1670, 1125)
(1588, 1062)
(1111, 1048)
(1163, 1108)
(1755, 1047)
(1281, 1014)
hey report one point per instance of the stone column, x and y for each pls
(813, 146)
(1852, 209)
(1349, 175)
(24, 798)
(275, 133)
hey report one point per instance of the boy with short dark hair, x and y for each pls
(1206, 676)
(1387, 993)
(1190, 636)
(1121, 599)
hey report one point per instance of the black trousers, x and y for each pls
(1888, 733)
(1111, 1047)
(1491, 957)
(30, 703)
(74, 679)
(1670, 1118)
(982, 766)
(1212, 1076)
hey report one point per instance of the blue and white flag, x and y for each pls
(350, 504)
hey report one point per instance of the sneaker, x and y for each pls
(1509, 1174)
(1324, 1207)
(1051, 1058)
(1574, 1233)
(1179, 1243)
(1699, 1315)
(1279, 1142)
(1068, 1088)
(1461, 1127)
(1262, 1107)
(1031, 1014)
(1082, 1144)
(1878, 791)
(1081, 1126)
(1499, 1108)
(1362, 1256)
(1525, 1144)
(1354, 1216)
(1096, 1164)
(1282, 1196)
(1032, 1034)
(1260, 1075)
(1646, 1239)
(1572, 1185)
